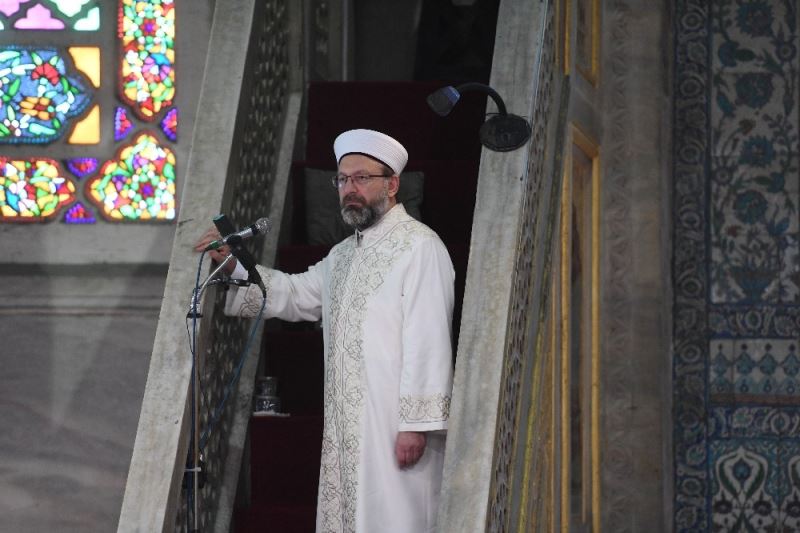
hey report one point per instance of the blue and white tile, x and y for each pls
(745, 488)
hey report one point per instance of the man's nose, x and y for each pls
(349, 185)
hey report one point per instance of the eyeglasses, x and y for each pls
(339, 180)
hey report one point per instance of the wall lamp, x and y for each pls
(501, 133)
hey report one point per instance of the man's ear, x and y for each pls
(394, 185)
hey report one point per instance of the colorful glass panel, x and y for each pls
(91, 22)
(87, 60)
(139, 185)
(122, 124)
(9, 7)
(169, 125)
(82, 166)
(147, 29)
(39, 18)
(87, 131)
(38, 98)
(69, 8)
(47, 94)
(79, 214)
(32, 189)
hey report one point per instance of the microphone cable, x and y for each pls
(190, 496)
(192, 349)
(235, 378)
(218, 410)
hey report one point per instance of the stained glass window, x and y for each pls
(50, 98)
(69, 8)
(82, 166)
(122, 124)
(170, 125)
(33, 189)
(139, 184)
(79, 15)
(148, 34)
(78, 214)
(39, 97)
(39, 18)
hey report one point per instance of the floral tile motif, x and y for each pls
(721, 365)
(789, 464)
(761, 370)
(728, 422)
(755, 484)
(754, 132)
(731, 321)
(745, 485)
(737, 281)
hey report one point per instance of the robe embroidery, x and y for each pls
(396, 281)
(358, 273)
(424, 409)
(252, 299)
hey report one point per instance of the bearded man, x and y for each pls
(385, 297)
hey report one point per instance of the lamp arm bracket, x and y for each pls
(481, 87)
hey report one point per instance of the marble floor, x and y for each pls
(74, 349)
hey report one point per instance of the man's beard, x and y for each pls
(365, 215)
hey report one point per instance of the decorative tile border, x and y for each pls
(690, 360)
(754, 370)
(749, 422)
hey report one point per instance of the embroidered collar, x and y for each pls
(388, 221)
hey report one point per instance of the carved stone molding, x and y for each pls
(521, 353)
(634, 369)
(248, 190)
(617, 242)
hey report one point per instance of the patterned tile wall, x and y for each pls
(753, 153)
(737, 266)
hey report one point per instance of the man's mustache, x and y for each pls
(353, 197)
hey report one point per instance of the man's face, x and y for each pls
(362, 205)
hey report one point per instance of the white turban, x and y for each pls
(373, 144)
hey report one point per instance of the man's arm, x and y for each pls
(293, 297)
(427, 368)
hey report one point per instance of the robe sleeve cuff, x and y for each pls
(246, 301)
(424, 413)
(240, 272)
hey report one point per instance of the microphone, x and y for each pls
(237, 250)
(262, 226)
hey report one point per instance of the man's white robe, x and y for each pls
(385, 297)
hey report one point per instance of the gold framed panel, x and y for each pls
(535, 498)
(554, 481)
(562, 36)
(587, 39)
(564, 342)
(539, 502)
(579, 351)
(549, 501)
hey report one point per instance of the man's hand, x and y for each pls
(409, 448)
(218, 255)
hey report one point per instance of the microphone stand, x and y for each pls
(208, 281)
(196, 467)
